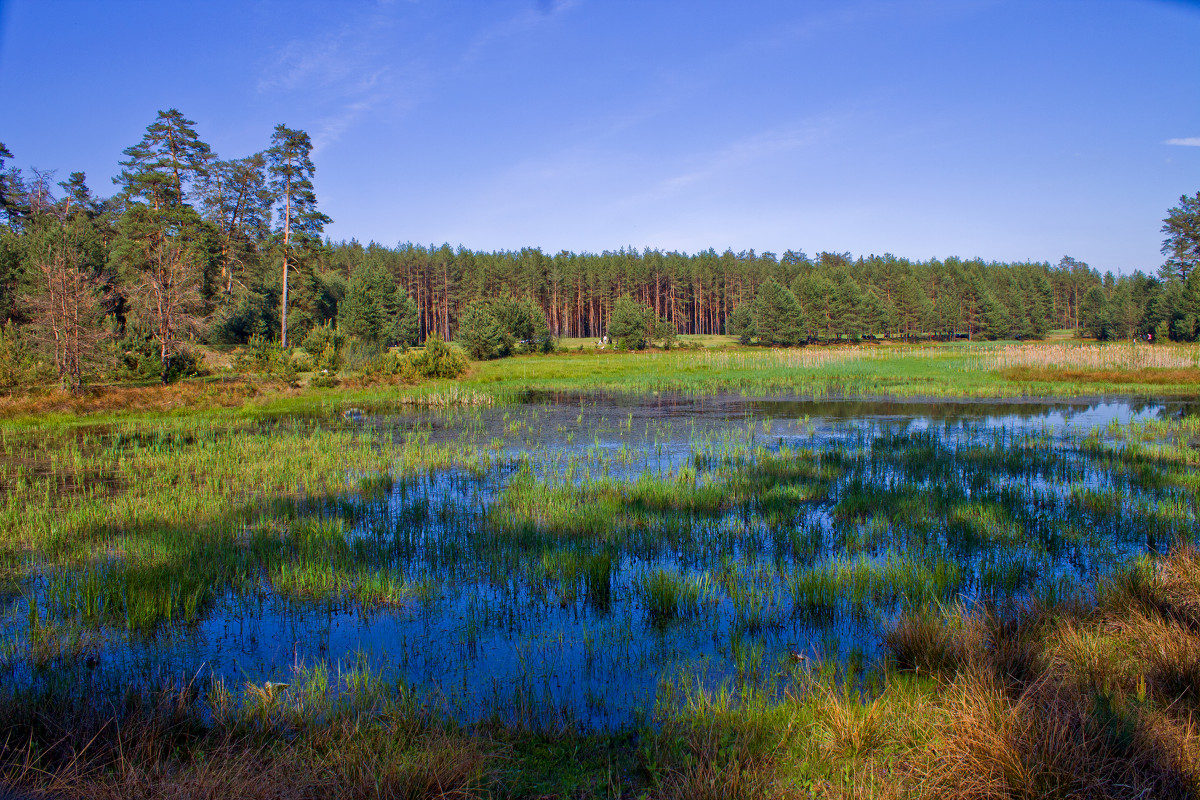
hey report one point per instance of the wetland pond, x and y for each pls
(612, 547)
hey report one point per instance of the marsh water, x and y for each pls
(790, 532)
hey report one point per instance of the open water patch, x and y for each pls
(611, 546)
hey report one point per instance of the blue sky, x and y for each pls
(1004, 130)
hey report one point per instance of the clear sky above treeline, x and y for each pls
(925, 128)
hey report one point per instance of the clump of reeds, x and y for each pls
(789, 358)
(668, 595)
(1050, 740)
(720, 745)
(1090, 356)
(925, 642)
(449, 397)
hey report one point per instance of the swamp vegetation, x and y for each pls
(618, 575)
(897, 562)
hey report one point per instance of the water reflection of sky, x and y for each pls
(481, 647)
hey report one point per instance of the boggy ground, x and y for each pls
(125, 526)
(1080, 699)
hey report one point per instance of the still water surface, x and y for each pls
(491, 635)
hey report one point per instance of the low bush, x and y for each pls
(437, 359)
(18, 367)
(263, 356)
(321, 339)
(302, 361)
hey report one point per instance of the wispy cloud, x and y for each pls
(1187, 141)
(333, 59)
(352, 72)
(546, 7)
(332, 127)
(517, 25)
(844, 18)
(740, 152)
(345, 72)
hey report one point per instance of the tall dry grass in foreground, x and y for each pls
(1067, 701)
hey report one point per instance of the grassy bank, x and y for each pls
(949, 370)
(983, 370)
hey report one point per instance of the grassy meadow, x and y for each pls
(935, 570)
(1057, 367)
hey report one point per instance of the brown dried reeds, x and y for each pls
(1052, 741)
(925, 643)
(195, 395)
(1075, 700)
(705, 780)
(1087, 357)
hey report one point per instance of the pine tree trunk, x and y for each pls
(287, 238)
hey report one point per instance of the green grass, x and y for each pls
(118, 528)
(1056, 368)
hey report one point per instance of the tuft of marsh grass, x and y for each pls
(668, 595)
(1049, 741)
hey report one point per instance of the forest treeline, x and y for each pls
(195, 248)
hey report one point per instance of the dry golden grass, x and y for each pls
(1084, 656)
(1170, 587)
(927, 644)
(1049, 741)
(1006, 642)
(789, 357)
(1071, 701)
(439, 767)
(1091, 357)
(155, 398)
(158, 747)
(1168, 655)
(227, 772)
(705, 780)
(396, 768)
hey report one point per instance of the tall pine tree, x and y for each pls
(289, 163)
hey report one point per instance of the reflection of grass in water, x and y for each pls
(668, 595)
(739, 542)
(901, 505)
(566, 573)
